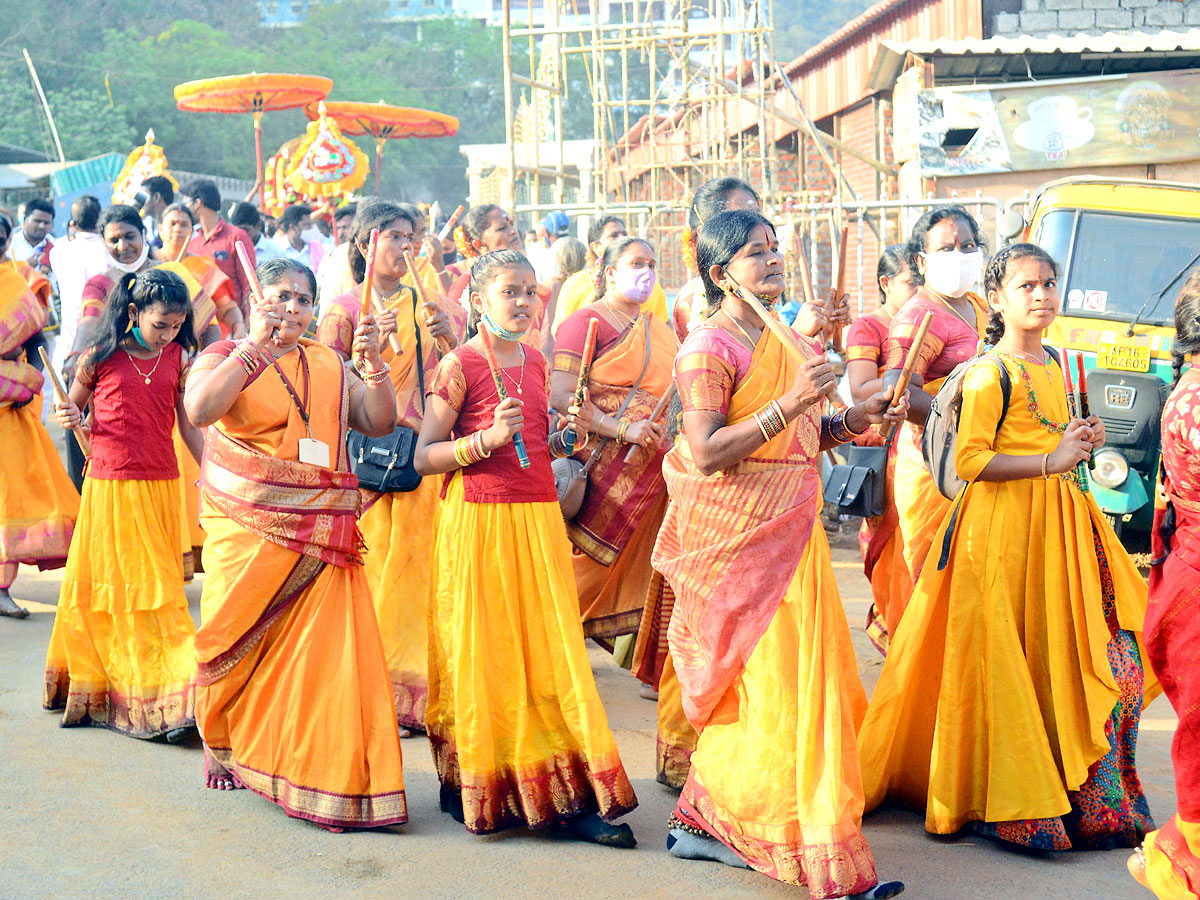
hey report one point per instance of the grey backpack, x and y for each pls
(940, 439)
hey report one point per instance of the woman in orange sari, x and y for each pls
(758, 636)
(1169, 860)
(292, 697)
(945, 259)
(398, 528)
(879, 538)
(38, 503)
(39, 284)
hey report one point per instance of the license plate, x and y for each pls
(1123, 357)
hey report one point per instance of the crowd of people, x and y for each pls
(564, 455)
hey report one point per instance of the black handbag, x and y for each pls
(387, 464)
(857, 487)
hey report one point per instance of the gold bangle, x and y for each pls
(622, 430)
(1045, 459)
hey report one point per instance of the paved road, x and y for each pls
(90, 814)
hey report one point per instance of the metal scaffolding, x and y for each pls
(664, 117)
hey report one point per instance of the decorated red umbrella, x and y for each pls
(383, 121)
(254, 93)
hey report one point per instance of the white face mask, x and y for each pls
(952, 273)
(136, 264)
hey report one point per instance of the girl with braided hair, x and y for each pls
(1010, 699)
(1169, 860)
(121, 654)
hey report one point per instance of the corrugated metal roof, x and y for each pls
(1024, 57)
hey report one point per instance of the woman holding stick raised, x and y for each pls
(945, 260)
(38, 503)
(614, 530)
(398, 527)
(758, 635)
(1011, 697)
(293, 699)
(519, 735)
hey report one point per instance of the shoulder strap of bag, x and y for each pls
(420, 352)
(603, 442)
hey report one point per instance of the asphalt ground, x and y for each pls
(88, 813)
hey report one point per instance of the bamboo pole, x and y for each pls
(61, 393)
(914, 353)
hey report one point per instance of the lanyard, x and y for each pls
(302, 408)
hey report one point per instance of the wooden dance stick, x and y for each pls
(368, 301)
(451, 222)
(805, 275)
(182, 250)
(787, 338)
(1072, 410)
(61, 393)
(431, 308)
(252, 278)
(1084, 408)
(658, 411)
(585, 370)
(498, 380)
(838, 295)
(914, 353)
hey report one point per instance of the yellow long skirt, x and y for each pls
(305, 717)
(775, 775)
(38, 503)
(676, 736)
(1162, 875)
(399, 530)
(514, 717)
(121, 654)
(192, 538)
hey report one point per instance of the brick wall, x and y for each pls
(1046, 17)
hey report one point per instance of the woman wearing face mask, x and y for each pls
(879, 538)
(946, 261)
(614, 531)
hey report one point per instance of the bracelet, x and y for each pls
(582, 445)
(1045, 459)
(622, 430)
(558, 444)
(469, 450)
(850, 430)
(247, 356)
(838, 430)
(770, 421)
(376, 376)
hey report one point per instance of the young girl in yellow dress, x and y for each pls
(121, 654)
(519, 735)
(1012, 692)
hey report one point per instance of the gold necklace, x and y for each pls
(974, 326)
(742, 329)
(1021, 354)
(517, 384)
(629, 322)
(154, 368)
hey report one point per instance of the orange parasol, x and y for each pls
(383, 121)
(144, 162)
(253, 93)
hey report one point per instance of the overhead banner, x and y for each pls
(1111, 120)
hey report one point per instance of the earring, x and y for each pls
(129, 327)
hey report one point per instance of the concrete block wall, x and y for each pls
(1046, 17)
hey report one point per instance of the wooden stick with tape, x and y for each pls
(451, 222)
(251, 275)
(431, 308)
(585, 371)
(371, 303)
(787, 338)
(61, 393)
(914, 353)
(658, 411)
(498, 381)
(838, 294)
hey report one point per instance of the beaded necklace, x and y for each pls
(1035, 410)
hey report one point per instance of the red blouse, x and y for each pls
(132, 420)
(464, 381)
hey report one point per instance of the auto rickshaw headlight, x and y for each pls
(1111, 469)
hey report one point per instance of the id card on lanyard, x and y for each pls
(312, 451)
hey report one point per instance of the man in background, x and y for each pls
(159, 195)
(246, 217)
(32, 242)
(295, 221)
(217, 239)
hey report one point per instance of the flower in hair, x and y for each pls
(463, 245)
(689, 250)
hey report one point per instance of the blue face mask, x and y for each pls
(491, 325)
(137, 336)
